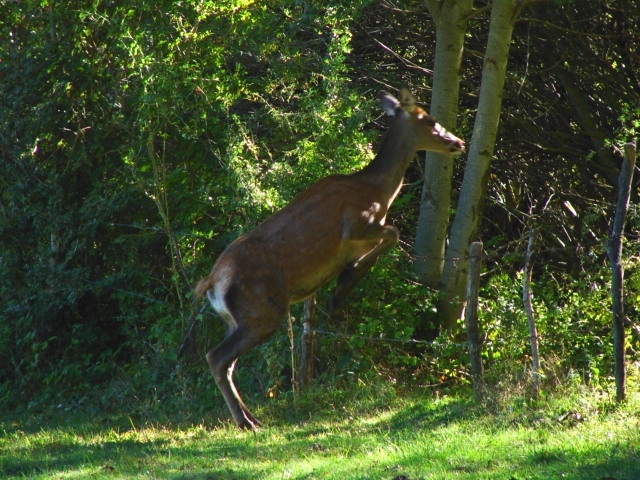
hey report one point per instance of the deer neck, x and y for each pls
(386, 171)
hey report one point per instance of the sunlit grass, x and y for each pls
(418, 437)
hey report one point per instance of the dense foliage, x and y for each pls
(137, 140)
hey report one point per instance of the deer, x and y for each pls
(333, 229)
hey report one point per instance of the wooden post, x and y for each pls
(471, 319)
(306, 349)
(614, 251)
(528, 308)
(292, 348)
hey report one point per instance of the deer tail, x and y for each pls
(203, 285)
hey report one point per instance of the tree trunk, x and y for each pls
(450, 18)
(605, 164)
(469, 212)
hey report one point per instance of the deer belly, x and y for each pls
(305, 283)
(305, 277)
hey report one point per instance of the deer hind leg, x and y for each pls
(354, 271)
(222, 360)
(252, 314)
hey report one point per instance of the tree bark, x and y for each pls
(467, 219)
(450, 18)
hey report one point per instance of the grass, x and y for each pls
(372, 432)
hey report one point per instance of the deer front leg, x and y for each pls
(353, 272)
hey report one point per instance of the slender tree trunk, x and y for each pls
(604, 162)
(159, 194)
(467, 219)
(450, 18)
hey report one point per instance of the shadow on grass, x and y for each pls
(615, 461)
(60, 456)
(145, 454)
(57, 440)
(433, 414)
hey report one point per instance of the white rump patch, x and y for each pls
(216, 298)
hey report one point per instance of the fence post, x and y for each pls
(308, 337)
(471, 319)
(528, 308)
(614, 251)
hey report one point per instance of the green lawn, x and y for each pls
(569, 437)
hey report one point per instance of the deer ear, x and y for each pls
(407, 100)
(389, 103)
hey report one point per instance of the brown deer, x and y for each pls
(334, 228)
